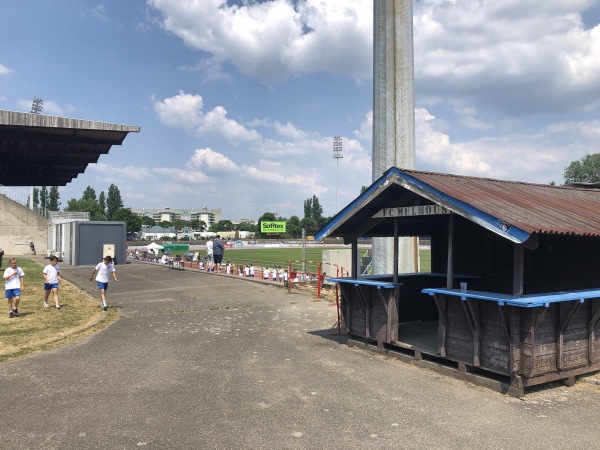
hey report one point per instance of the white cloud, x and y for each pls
(365, 131)
(519, 57)
(538, 157)
(277, 39)
(132, 173)
(185, 111)
(4, 70)
(211, 160)
(289, 131)
(99, 12)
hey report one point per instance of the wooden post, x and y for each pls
(450, 275)
(518, 268)
(595, 316)
(354, 257)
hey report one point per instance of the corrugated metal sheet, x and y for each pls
(524, 208)
(535, 208)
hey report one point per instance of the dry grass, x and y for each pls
(40, 328)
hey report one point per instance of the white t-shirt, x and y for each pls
(52, 273)
(14, 282)
(104, 270)
(209, 247)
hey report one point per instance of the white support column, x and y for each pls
(393, 113)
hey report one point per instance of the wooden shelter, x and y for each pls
(514, 288)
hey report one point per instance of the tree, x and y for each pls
(36, 197)
(586, 170)
(198, 225)
(113, 201)
(312, 208)
(89, 194)
(294, 227)
(134, 222)
(224, 225)
(310, 225)
(246, 226)
(148, 221)
(53, 199)
(88, 205)
(102, 202)
(43, 197)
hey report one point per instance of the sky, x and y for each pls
(239, 101)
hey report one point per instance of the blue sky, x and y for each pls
(239, 102)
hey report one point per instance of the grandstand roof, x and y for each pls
(40, 150)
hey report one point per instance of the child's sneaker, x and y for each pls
(57, 306)
(11, 315)
(45, 304)
(105, 308)
(16, 312)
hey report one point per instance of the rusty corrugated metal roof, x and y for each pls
(514, 210)
(535, 208)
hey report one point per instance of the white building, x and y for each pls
(209, 217)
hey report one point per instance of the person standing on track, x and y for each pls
(218, 250)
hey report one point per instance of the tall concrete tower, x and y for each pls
(393, 112)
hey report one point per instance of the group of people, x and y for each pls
(14, 283)
(214, 254)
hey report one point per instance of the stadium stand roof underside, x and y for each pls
(40, 150)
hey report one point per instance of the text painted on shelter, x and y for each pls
(409, 211)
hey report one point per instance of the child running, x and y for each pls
(104, 269)
(52, 276)
(14, 283)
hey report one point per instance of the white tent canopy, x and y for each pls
(154, 246)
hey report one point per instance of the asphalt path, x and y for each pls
(203, 361)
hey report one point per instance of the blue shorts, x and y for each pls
(50, 286)
(12, 293)
(218, 258)
(102, 285)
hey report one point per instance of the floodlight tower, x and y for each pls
(337, 155)
(37, 106)
(393, 112)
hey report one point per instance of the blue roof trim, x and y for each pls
(339, 217)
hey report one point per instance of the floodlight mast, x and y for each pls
(37, 106)
(337, 155)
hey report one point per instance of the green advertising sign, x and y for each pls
(272, 227)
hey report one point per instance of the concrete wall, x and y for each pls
(19, 226)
